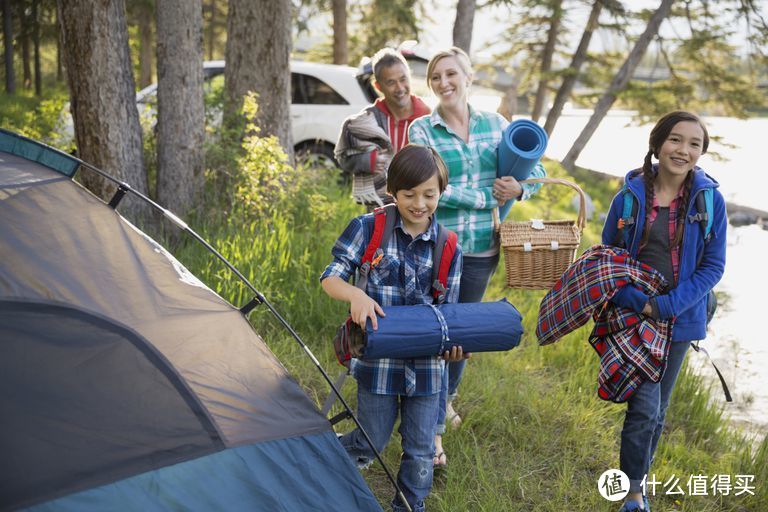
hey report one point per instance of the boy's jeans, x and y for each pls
(644, 420)
(418, 415)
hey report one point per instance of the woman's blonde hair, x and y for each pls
(461, 57)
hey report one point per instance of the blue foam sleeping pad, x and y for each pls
(522, 146)
(417, 331)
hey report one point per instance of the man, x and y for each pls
(370, 139)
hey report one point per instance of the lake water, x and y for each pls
(737, 339)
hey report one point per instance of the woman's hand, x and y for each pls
(506, 188)
(455, 354)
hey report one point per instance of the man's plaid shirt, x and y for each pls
(467, 204)
(402, 277)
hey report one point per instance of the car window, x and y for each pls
(309, 90)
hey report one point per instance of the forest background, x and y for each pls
(535, 436)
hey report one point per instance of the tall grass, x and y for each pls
(535, 437)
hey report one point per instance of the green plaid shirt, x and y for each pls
(466, 205)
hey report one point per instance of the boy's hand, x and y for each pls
(455, 354)
(362, 307)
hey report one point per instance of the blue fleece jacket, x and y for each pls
(687, 301)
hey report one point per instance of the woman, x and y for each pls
(466, 139)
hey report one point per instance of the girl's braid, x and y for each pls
(648, 178)
(682, 209)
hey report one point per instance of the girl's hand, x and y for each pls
(362, 307)
(455, 354)
(506, 188)
(647, 309)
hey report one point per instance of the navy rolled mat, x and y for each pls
(426, 330)
(522, 146)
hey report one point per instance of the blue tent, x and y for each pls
(126, 383)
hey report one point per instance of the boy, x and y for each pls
(402, 276)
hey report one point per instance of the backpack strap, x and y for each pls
(442, 256)
(384, 223)
(442, 252)
(704, 207)
(628, 213)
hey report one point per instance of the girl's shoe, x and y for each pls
(631, 506)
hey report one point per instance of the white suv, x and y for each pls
(322, 97)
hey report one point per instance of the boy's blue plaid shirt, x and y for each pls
(467, 204)
(402, 277)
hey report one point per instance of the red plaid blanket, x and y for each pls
(632, 347)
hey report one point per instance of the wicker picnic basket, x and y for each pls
(537, 252)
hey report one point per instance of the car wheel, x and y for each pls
(319, 154)
(315, 153)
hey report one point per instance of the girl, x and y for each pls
(467, 140)
(666, 236)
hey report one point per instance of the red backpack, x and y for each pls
(349, 338)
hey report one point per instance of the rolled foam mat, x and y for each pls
(522, 146)
(426, 330)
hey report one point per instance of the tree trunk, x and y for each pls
(212, 29)
(462, 26)
(181, 115)
(145, 43)
(340, 49)
(564, 92)
(618, 84)
(59, 64)
(10, 74)
(36, 46)
(546, 59)
(26, 67)
(258, 59)
(102, 94)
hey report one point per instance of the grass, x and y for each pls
(535, 437)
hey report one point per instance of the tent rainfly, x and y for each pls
(126, 383)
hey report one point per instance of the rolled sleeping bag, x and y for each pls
(427, 330)
(521, 148)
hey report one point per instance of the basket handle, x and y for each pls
(581, 221)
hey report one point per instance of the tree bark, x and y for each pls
(36, 46)
(59, 64)
(211, 29)
(181, 115)
(10, 74)
(102, 95)
(546, 59)
(258, 59)
(462, 26)
(564, 92)
(340, 48)
(618, 84)
(26, 67)
(145, 42)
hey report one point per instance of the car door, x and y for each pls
(317, 109)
